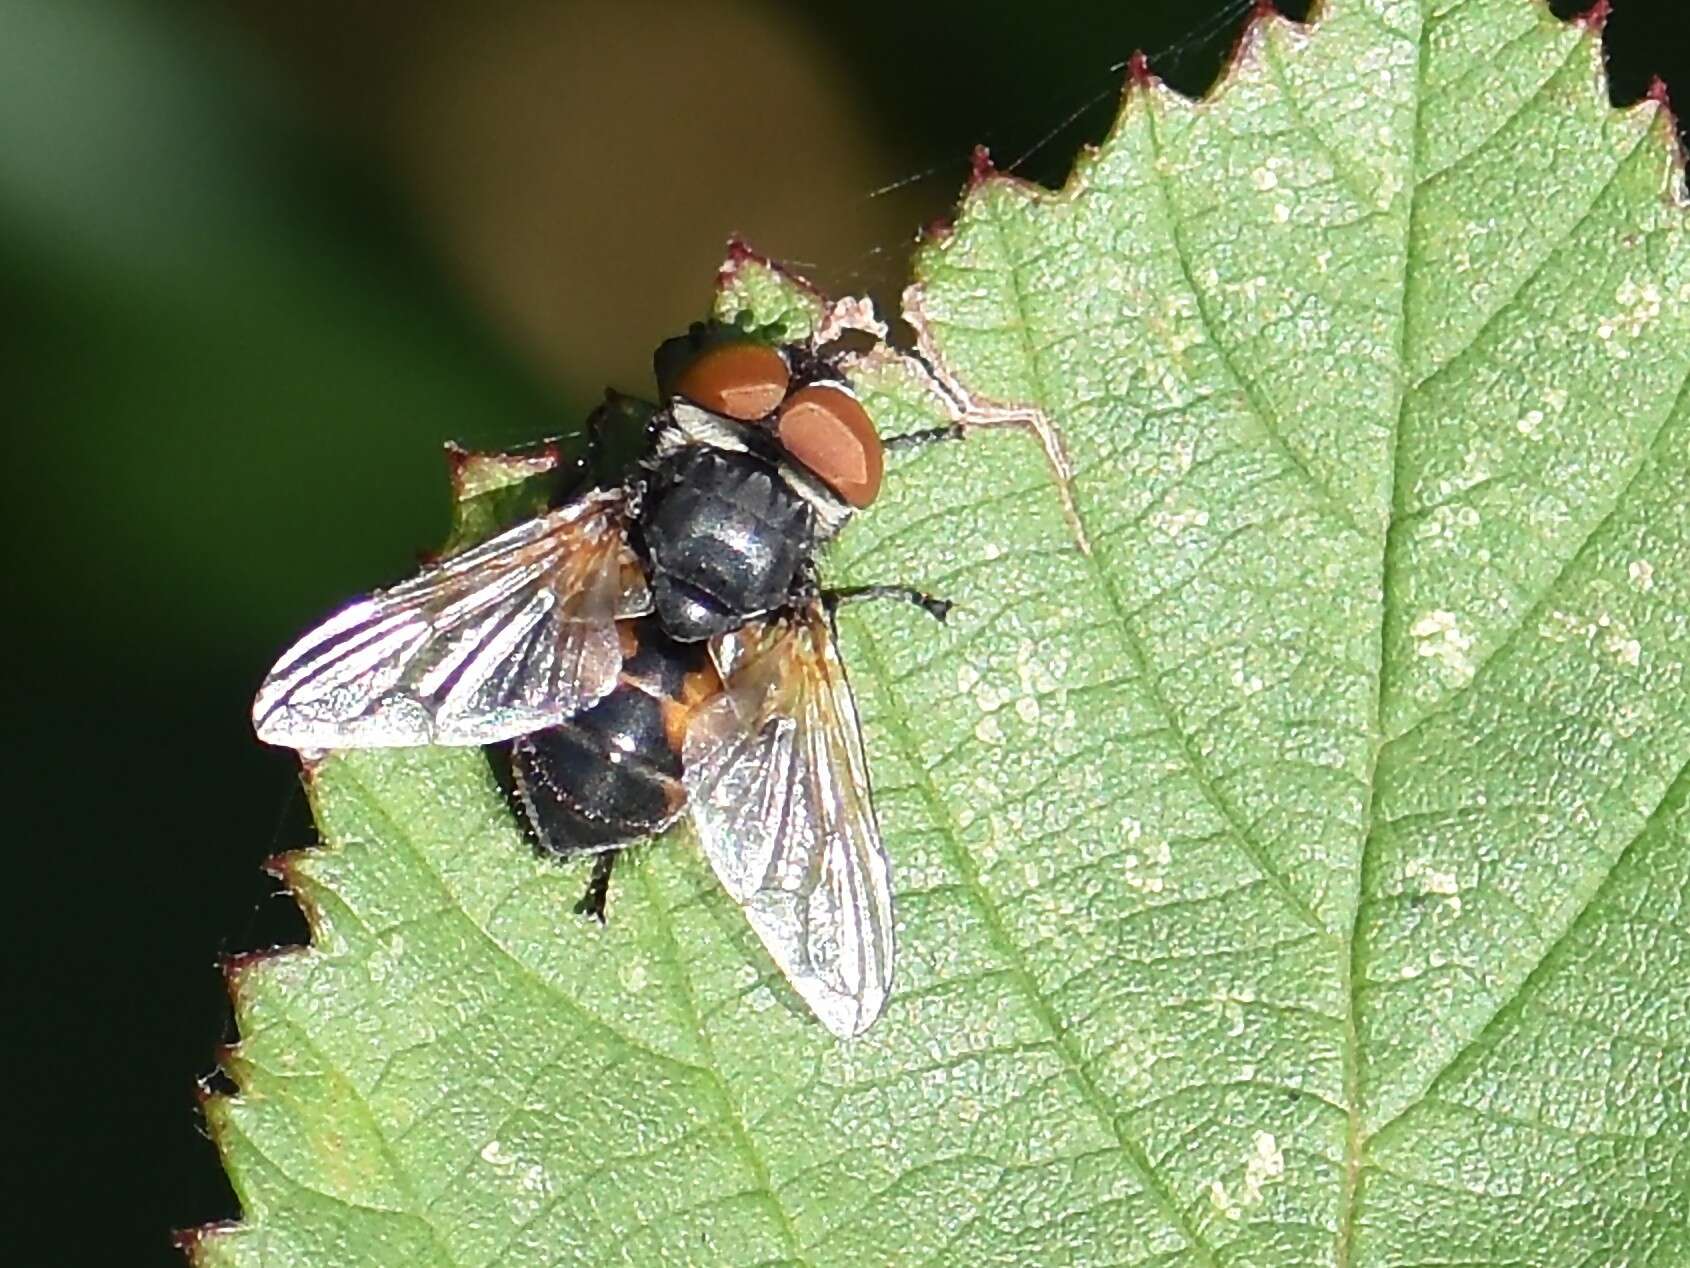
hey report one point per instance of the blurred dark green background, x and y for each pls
(257, 262)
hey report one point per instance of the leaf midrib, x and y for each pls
(1350, 965)
(1572, 913)
(1121, 626)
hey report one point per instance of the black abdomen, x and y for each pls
(725, 535)
(612, 774)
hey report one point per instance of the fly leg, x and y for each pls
(914, 440)
(598, 886)
(938, 609)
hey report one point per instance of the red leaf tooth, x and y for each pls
(234, 964)
(190, 1241)
(936, 230)
(1595, 17)
(741, 253)
(1139, 74)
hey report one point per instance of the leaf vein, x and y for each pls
(1488, 66)
(1553, 248)
(1021, 975)
(1506, 1008)
(1646, 456)
(398, 832)
(734, 1117)
(1254, 398)
(1135, 650)
(1351, 970)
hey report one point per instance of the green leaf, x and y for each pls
(1295, 874)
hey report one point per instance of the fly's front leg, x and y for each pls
(911, 441)
(938, 609)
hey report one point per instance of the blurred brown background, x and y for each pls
(258, 260)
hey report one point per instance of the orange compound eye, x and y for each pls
(742, 381)
(830, 433)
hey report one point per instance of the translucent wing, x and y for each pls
(778, 789)
(511, 636)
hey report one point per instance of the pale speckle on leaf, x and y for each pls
(1265, 1164)
(1438, 636)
